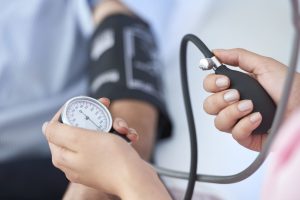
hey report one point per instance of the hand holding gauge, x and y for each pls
(88, 113)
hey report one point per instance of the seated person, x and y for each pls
(45, 47)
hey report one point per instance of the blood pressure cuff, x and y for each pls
(124, 65)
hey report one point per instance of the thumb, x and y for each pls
(266, 70)
(105, 101)
(246, 60)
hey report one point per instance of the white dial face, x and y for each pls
(88, 113)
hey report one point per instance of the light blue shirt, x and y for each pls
(43, 53)
(42, 64)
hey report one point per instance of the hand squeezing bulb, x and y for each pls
(249, 88)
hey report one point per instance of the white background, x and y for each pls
(260, 26)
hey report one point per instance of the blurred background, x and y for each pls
(261, 26)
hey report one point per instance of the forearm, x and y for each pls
(79, 192)
(143, 184)
(138, 114)
(107, 8)
(143, 117)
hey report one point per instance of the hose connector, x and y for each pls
(209, 63)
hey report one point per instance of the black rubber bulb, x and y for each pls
(249, 88)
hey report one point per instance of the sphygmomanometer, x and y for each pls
(143, 84)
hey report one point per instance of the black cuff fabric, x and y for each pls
(124, 64)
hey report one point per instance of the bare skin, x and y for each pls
(140, 115)
(104, 162)
(235, 116)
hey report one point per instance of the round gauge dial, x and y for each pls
(86, 112)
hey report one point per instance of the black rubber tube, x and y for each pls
(189, 114)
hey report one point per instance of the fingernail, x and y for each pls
(122, 123)
(231, 95)
(44, 127)
(222, 82)
(245, 105)
(255, 117)
(105, 99)
(134, 133)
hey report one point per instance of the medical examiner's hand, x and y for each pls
(235, 116)
(102, 161)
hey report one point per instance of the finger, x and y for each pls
(242, 132)
(105, 101)
(217, 102)
(246, 60)
(57, 115)
(133, 135)
(243, 129)
(120, 126)
(254, 142)
(229, 116)
(72, 176)
(61, 157)
(64, 136)
(216, 83)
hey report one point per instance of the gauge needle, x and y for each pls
(88, 118)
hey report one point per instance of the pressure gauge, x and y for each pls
(88, 113)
